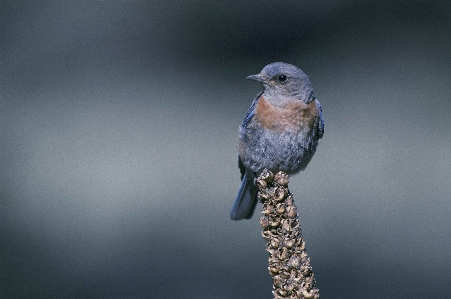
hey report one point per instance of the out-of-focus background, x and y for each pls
(119, 125)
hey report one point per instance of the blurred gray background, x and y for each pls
(119, 125)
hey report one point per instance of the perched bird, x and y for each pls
(280, 131)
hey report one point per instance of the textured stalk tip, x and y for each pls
(281, 178)
(289, 264)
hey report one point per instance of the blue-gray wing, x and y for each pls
(321, 120)
(251, 111)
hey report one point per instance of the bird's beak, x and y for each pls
(259, 78)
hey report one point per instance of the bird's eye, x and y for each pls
(282, 78)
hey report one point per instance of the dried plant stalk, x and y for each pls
(289, 264)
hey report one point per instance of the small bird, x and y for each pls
(280, 131)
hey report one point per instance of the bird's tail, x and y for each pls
(246, 199)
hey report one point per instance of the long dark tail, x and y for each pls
(246, 199)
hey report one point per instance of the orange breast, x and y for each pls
(294, 116)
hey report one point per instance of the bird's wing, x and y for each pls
(251, 111)
(321, 120)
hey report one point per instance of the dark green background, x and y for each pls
(119, 135)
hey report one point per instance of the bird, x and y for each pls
(280, 131)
